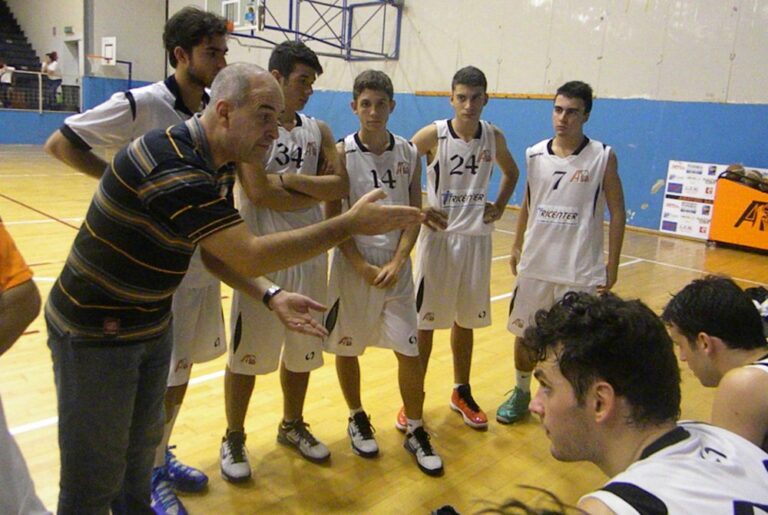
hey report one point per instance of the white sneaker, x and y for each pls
(296, 434)
(417, 443)
(235, 466)
(360, 433)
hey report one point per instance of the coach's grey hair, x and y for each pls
(233, 83)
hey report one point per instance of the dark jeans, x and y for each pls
(5, 94)
(110, 401)
(49, 90)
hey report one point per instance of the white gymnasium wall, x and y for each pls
(682, 50)
(138, 27)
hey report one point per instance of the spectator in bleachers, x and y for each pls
(53, 70)
(6, 79)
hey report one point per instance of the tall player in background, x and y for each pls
(371, 286)
(303, 171)
(453, 261)
(559, 239)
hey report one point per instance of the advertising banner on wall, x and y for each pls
(689, 197)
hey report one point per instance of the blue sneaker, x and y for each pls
(164, 500)
(183, 477)
(515, 408)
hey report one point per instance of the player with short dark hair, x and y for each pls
(719, 334)
(371, 286)
(461, 153)
(558, 243)
(302, 173)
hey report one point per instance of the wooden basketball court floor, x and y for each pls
(42, 203)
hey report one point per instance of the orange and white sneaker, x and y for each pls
(401, 424)
(463, 403)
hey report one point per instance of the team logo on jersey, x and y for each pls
(412, 340)
(580, 176)
(482, 314)
(485, 156)
(182, 364)
(248, 359)
(459, 198)
(429, 317)
(217, 343)
(556, 215)
(346, 341)
(518, 322)
(402, 168)
(311, 149)
(757, 213)
(309, 356)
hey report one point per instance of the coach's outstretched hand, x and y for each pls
(293, 310)
(435, 219)
(366, 216)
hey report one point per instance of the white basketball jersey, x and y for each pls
(695, 468)
(566, 204)
(391, 171)
(294, 151)
(457, 178)
(761, 363)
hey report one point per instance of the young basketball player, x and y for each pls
(559, 241)
(371, 285)
(303, 161)
(719, 334)
(453, 259)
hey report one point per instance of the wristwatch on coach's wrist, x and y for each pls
(269, 294)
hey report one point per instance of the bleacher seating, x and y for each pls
(18, 53)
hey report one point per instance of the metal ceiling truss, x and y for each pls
(354, 30)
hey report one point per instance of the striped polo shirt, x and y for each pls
(158, 198)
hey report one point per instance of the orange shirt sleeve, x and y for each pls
(13, 269)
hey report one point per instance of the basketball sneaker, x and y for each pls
(417, 443)
(235, 466)
(164, 500)
(463, 403)
(401, 423)
(183, 477)
(515, 408)
(360, 433)
(296, 434)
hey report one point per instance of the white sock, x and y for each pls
(523, 380)
(456, 385)
(355, 411)
(413, 424)
(167, 429)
